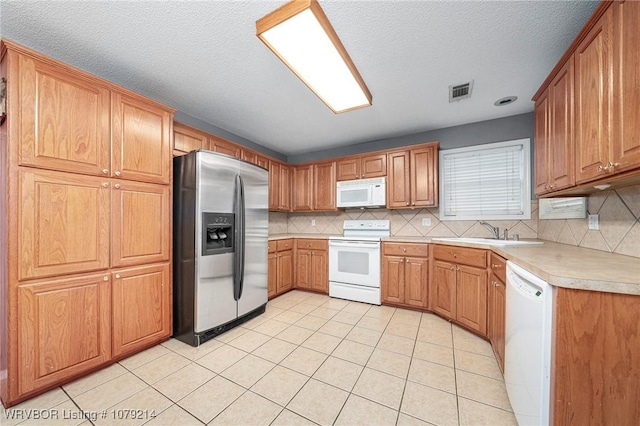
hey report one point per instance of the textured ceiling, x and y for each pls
(203, 58)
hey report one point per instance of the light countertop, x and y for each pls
(561, 265)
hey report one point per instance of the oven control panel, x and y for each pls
(379, 225)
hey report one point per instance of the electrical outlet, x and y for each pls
(594, 221)
(313, 222)
(426, 221)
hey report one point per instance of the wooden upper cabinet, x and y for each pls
(140, 216)
(361, 167)
(141, 135)
(285, 188)
(413, 178)
(398, 186)
(541, 144)
(187, 139)
(324, 186)
(262, 162)
(64, 119)
(593, 59)
(248, 155)
(424, 176)
(141, 307)
(626, 85)
(64, 329)
(279, 187)
(302, 188)
(554, 150)
(223, 146)
(64, 223)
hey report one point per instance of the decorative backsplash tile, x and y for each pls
(619, 223)
(619, 231)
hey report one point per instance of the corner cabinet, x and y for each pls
(459, 287)
(87, 167)
(405, 274)
(413, 178)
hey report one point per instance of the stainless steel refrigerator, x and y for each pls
(220, 226)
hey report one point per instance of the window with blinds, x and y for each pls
(485, 182)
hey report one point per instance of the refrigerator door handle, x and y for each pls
(238, 276)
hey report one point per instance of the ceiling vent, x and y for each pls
(460, 91)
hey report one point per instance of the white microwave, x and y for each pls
(362, 193)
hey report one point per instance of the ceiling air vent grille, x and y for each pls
(460, 91)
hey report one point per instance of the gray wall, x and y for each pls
(498, 130)
(209, 128)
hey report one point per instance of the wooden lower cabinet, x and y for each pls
(141, 307)
(459, 291)
(281, 269)
(64, 329)
(312, 266)
(405, 274)
(496, 311)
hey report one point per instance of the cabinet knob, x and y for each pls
(455, 254)
(404, 250)
(105, 171)
(105, 278)
(457, 268)
(402, 260)
(496, 266)
(116, 186)
(498, 285)
(117, 173)
(407, 203)
(413, 204)
(452, 268)
(105, 185)
(117, 275)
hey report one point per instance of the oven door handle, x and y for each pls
(355, 244)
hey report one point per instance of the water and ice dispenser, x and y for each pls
(218, 233)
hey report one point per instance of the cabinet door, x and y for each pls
(592, 98)
(249, 156)
(64, 329)
(224, 147)
(393, 279)
(541, 144)
(348, 169)
(285, 271)
(444, 289)
(561, 149)
(64, 223)
(64, 120)
(141, 231)
(187, 139)
(285, 188)
(273, 275)
(415, 281)
(141, 140)
(262, 162)
(398, 190)
(274, 186)
(491, 306)
(424, 177)
(626, 85)
(141, 307)
(319, 271)
(471, 297)
(303, 269)
(302, 185)
(324, 191)
(372, 166)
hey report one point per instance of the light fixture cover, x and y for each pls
(300, 34)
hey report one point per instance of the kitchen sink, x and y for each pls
(489, 241)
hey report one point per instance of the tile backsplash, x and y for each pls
(619, 232)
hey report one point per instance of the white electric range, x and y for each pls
(354, 261)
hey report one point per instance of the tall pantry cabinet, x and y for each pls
(85, 238)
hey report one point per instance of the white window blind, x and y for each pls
(486, 182)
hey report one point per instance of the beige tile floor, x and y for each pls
(309, 359)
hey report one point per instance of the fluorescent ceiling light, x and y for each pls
(300, 34)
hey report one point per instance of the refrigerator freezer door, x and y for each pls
(214, 301)
(256, 226)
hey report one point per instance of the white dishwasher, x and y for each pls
(527, 359)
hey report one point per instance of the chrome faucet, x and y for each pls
(494, 230)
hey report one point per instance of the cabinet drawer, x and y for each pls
(499, 267)
(284, 244)
(273, 246)
(461, 255)
(400, 249)
(311, 244)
